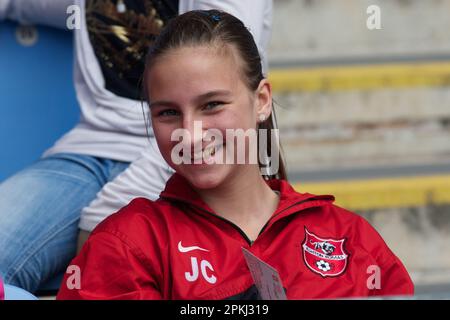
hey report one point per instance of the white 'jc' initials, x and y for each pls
(193, 276)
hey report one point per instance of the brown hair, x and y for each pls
(215, 27)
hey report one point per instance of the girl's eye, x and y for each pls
(168, 113)
(213, 104)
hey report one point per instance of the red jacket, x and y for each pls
(178, 248)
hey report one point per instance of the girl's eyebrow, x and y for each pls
(162, 103)
(211, 94)
(202, 97)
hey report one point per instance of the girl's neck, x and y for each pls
(245, 199)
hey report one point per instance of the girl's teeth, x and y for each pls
(208, 152)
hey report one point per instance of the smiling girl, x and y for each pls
(205, 68)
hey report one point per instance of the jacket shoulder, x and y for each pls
(363, 234)
(139, 219)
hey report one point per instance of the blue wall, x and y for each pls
(37, 98)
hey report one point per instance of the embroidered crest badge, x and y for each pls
(326, 257)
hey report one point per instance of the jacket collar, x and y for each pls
(179, 189)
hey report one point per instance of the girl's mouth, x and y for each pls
(206, 155)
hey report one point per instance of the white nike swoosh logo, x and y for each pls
(187, 249)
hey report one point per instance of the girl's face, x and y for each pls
(203, 84)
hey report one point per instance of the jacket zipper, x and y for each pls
(236, 227)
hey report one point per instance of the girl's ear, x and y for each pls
(263, 101)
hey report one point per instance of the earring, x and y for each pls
(262, 117)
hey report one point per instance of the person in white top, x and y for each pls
(110, 156)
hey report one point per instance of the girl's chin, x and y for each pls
(203, 180)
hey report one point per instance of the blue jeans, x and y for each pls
(39, 212)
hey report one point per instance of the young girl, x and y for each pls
(205, 69)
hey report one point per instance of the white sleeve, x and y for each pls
(255, 14)
(145, 177)
(46, 12)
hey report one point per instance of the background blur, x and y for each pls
(363, 114)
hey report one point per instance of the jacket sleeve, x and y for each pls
(394, 278)
(109, 269)
(46, 12)
(145, 177)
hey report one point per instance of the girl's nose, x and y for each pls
(194, 130)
